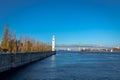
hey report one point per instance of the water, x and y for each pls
(71, 66)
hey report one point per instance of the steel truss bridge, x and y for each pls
(75, 47)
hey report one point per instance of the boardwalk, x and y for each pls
(70, 66)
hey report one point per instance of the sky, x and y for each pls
(71, 21)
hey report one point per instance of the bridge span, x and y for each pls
(75, 47)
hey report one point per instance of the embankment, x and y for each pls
(9, 60)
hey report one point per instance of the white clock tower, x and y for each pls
(53, 43)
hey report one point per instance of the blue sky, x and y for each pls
(71, 21)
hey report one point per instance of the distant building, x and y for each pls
(111, 50)
(79, 49)
(115, 50)
(68, 49)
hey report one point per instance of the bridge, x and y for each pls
(78, 47)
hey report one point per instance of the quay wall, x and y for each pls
(9, 61)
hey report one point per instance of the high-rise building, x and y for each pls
(53, 43)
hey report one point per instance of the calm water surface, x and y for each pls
(71, 66)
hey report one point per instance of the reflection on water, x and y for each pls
(52, 69)
(53, 61)
(53, 58)
(71, 66)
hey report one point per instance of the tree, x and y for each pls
(24, 44)
(5, 34)
(5, 39)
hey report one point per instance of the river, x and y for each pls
(70, 66)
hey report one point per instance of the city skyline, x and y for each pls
(72, 22)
